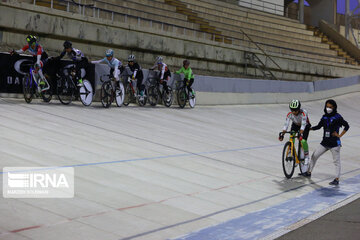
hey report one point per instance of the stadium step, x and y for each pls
(194, 18)
(333, 46)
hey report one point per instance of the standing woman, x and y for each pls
(331, 121)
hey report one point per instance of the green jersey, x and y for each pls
(187, 72)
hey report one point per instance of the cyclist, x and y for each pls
(114, 64)
(165, 73)
(331, 121)
(78, 58)
(40, 57)
(189, 76)
(301, 123)
(137, 74)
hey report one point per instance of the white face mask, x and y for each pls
(329, 110)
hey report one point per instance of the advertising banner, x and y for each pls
(14, 68)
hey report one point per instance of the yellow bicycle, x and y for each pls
(291, 158)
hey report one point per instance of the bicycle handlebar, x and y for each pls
(296, 134)
(106, 75)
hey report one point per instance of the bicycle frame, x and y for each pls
(294, 135)
(130, 81)
(32, 80)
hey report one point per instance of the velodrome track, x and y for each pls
(158, 173)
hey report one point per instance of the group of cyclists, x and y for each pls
(331, 122)
(40, 59)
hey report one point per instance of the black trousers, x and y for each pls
(191, 81)
(83, 63)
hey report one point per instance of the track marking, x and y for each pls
(282, 217)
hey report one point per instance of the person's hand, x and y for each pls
(13, 52)
(335, 134)
(281, 136)
(300, 137)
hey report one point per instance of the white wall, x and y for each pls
(271, 6)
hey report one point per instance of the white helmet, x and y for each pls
(159, 60)
(131, 58)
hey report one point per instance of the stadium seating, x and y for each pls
(252, 30)
(268, 30)
(222, 21)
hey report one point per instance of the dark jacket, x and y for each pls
(136, 69)
(331, 123)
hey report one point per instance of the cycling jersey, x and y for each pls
(38, 53)
(38, 50)
(300, 120)
(331, 123)
(113, 63)
(187, 72)
(164, 71)
(76, 55)
(136, 69)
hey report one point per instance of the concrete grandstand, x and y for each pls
(219, 37)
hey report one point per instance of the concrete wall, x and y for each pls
(270, 6)
(322, 10)
(93, 36)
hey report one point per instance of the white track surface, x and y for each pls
(161, 173)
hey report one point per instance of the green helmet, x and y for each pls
(295, 105)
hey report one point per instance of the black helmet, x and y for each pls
(186, 62)
(67, 44)
(31, 39)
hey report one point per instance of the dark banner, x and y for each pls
(14, 68)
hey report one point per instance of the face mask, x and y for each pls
(329, 110)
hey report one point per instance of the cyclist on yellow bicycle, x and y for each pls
(300, 122)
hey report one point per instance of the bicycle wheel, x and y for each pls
(119, 94)
(181, 97)
(46, 95)
(28, 88)
(168, 97)
(65, 90)
(302, 166)
(86, 93)
(192, 100)
(106, 94)
(153, 95)
(143, 101)
(288, 160)
(128, 95)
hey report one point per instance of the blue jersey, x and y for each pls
(331, 123)
(114, 63)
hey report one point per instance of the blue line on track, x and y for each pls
(262, 223)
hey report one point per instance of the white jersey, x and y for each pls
(113, 64)
(302, 119)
